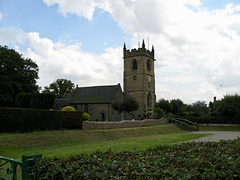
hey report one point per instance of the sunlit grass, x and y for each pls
(68, 142)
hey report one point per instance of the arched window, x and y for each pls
(149, 65)
(134, 64)
(149, 100)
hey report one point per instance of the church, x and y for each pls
(138, 83)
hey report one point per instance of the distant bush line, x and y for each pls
(207, 119)
(214, 120)
(224, 111)
(27, 120)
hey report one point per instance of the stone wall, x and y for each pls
(123, 124)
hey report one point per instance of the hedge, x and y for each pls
(35, 100)
(26, 120)
(206, 119)
(213, 120)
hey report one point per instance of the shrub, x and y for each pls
(159, 112)
(86, 116)
(68, 108)
(205, 160)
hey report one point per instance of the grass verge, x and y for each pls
(70, 142)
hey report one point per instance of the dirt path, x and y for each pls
(216, 136)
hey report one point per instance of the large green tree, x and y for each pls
(177, 106)
(228, 109)
(200, 108)
(59, 87)
(17, 74)
(165, 105)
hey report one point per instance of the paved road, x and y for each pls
(216, 136)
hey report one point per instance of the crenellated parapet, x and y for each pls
(138, 52)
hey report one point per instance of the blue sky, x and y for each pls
(217, 4)
(196, 41)
(35, 16)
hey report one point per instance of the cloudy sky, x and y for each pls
(197, 42)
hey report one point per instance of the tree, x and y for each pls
(35, 100)
(228, 109)
(59, 87)
(129, 105)
(177, 106)
(117, 106)
(159, 112)
(200, 108)
(17, 75)
(165, 105)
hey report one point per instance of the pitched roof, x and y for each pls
(64, 101)
(95, 94)
(67, 96)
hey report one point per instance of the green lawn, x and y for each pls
(69, 142)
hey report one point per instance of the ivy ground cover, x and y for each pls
(208, 160)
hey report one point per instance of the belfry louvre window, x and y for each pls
(148, 65)
(134, 64)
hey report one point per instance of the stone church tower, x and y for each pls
(139, 78)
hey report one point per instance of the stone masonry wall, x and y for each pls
(123, 124)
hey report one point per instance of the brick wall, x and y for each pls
(123, 124)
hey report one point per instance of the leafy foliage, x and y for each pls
(86, 116)
(27, 120)
(228, 109)
(200, 108)
(129, 104)
(117, 106)
(59, 87)
(209, 160)
(163, 104)
(159, 112)
(35, 100)
(17, 74)
(177, 106)
(68, 108)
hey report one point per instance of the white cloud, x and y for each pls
(57, 60)
(196, 50)
(42, 46)
(192, 47)
(11, 35)
(84, 8)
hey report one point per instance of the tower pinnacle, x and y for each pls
(124, 47)
(143, 45)
(152, 50)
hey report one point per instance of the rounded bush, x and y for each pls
(68, 108)
(86, 116)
